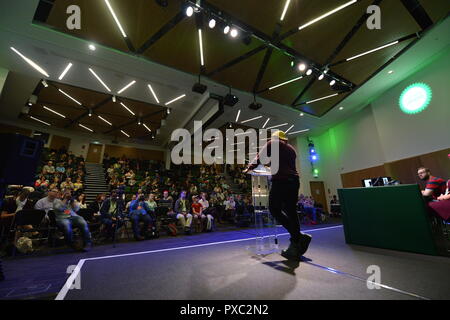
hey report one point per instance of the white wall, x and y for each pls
(381, 132)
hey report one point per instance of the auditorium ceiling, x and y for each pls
(162, 50)
(267, 51)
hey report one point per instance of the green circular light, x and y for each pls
(415, 98)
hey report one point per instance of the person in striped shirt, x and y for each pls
(435, 186)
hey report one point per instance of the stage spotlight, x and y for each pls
(168, 110)
(309, 72)
(212, 23)
(44, 83)
(332, 82)
(321, 76)
(234, 33)
(92, 47)
(230, 100)
(90, 113)
(162, 3)
(139, 121)
(226, 30)
(302, 67)
(189, 11)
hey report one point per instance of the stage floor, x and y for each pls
(224, 269)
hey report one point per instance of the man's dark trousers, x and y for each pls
(283, 199)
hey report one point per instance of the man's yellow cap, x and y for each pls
(279, 134)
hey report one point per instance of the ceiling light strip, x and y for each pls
(153, 92)
(127, 86)
(285, 83)
(65, 71)
(327, 14)
(146, 127)
(104, 120)
(116, 19)
(57, 113)
(286, 7)
(88, 129)
(126, 134)
(36, 119)
(200, 40)
(265, 124)
(128, 109)
(253, 119)
(301, 131)
(100, 80)
(290, 128)
(70, 97)
(176, 99)
(31, 62)
(238, 115)
(277, 126)
(323, 98)
(373, 50)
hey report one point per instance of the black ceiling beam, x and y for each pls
(268, 41)
(133, 121)
(237, 60)
(419, 14)
(362, 20)
(180, 16)
(102, 103)
(408, 37)
(267, 57)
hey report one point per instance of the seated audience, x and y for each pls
(197, 214)
(112, 212)
(207, 211)
(182, 211)
(78, 185)
(67, 184)
(67, 218)
(81, 201)
(97, 204)
(335, 206)
(139, 212)
(46, 204)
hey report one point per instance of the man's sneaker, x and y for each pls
(291, 253)
(305, 240)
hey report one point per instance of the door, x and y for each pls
(94, 153)
(318, 193)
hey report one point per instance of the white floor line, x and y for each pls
(65, 289)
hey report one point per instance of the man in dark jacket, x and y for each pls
(284, 194)
(140, 212)
(112, 214)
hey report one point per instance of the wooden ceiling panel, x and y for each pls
(360, 69)
(242, 75)
(396, 23)
(178, 48)
(318, 41)
(436, 9)
(97, 24)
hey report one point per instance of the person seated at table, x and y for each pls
(67, 218)
(435, 186)
(112, 214)
(139, 212)
(182, 211)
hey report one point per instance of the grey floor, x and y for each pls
(331, 270)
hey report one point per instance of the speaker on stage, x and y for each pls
(20, 156)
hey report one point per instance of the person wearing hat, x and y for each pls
(284, 194)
